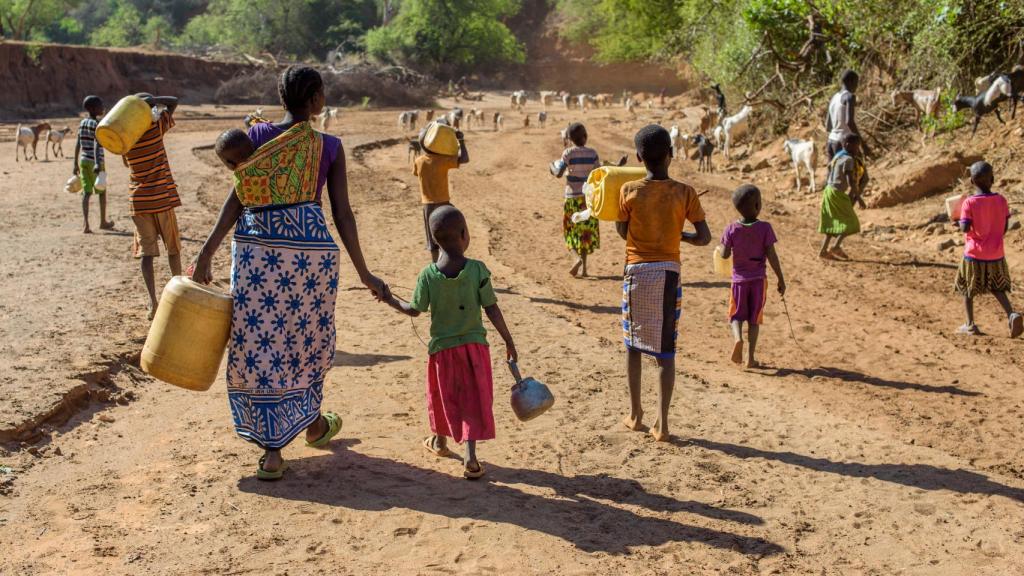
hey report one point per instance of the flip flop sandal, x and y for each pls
(428, 443)
(1016, 325)
(333, 427)
(474, 474)
(267, 475)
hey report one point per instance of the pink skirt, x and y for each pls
(460, 393)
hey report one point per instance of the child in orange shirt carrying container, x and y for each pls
(432, 167)
(652, 214)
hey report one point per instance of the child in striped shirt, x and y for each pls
(576, 164)
(89, 161)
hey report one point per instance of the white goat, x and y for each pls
(28, 136)
(547, 98)
(518, 99)
(55, 141)
(326, 117)
(802, 152)
(925, 102)
(564, 133)
(735, 126)
(585, 101)
(679, 141)
(567, 100)
(498, 121)
(630, 106)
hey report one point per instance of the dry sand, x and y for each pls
(882, 444)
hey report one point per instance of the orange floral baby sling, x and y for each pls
(283, 171)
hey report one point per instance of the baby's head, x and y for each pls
(982, 175)
(747, 200)
(577, 134)
(234, 147)
(851, 143)
(448, 227)
(653, 146)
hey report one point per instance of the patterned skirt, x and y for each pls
(284, 281)
(651, 296)
(838, 218)
(975, 277)
(582, 238)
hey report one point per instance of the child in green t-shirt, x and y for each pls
(460, 389)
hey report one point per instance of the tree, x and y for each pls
(448, 37)
(123, 28)
(20, 19)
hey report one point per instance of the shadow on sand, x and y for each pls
(359, 481)
(852, 376)
(923, 476)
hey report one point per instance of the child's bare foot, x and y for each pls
(753, 364)
(971, 329)
(840, 254)
(106, 225)
(152, 311)
(737, 352)
(634, 423)
(660, 433)
(87, 230)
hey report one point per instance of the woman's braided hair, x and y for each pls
(298, 85)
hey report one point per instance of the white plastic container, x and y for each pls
(953, 205)
(101, 182)
(73, 185)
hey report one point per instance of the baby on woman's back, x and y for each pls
(234, 147)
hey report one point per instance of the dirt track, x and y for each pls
(881, 444)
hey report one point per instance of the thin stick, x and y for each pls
(792, 333)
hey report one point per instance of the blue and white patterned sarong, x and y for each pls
(284, 281)
(651, 296)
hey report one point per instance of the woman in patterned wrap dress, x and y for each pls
(284, 275)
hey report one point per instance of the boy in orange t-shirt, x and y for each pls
(652, 214)
(432, 170)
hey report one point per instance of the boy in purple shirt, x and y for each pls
(984, 219)
(751, 243)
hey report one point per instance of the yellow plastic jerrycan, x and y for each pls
(441, 139)
(122, 127)
(603, 187)
(189, 333)
(722, 266)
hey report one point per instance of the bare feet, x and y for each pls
(971, 329)
(106, 225)
(634, 423)
(840, 254)
(87, 230)
(737, 352)
(659, 433)
(152, 311)
(753, 364)
(824, 255)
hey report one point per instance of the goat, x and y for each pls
(455, 117)
(55, 141)
(415, 148)
(1008, 86)
(498, 121)
(476, 115)
(26, 135)
(567, 100)
(978, 105)
(603, 100)
(679, 141)
(925, 102)
(547, 98)
(518, 99)
(704, 151)
(802, 152)
(630, 106)
(564, 134)
(328, 115)
(542, 119)
(584, 101)
(708, 120)
(735, 126)
(407, 120)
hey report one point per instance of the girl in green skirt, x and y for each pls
(847, 178)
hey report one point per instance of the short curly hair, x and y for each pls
(653, 144)
(298, 85)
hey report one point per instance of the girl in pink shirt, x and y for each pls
(983, 219)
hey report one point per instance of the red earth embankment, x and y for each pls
(42, 79)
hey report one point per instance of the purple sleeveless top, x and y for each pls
(263, 132)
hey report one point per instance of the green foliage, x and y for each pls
(25, 19)
(948, 121)
(123, 28)
(448, 37)
(34, 51)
